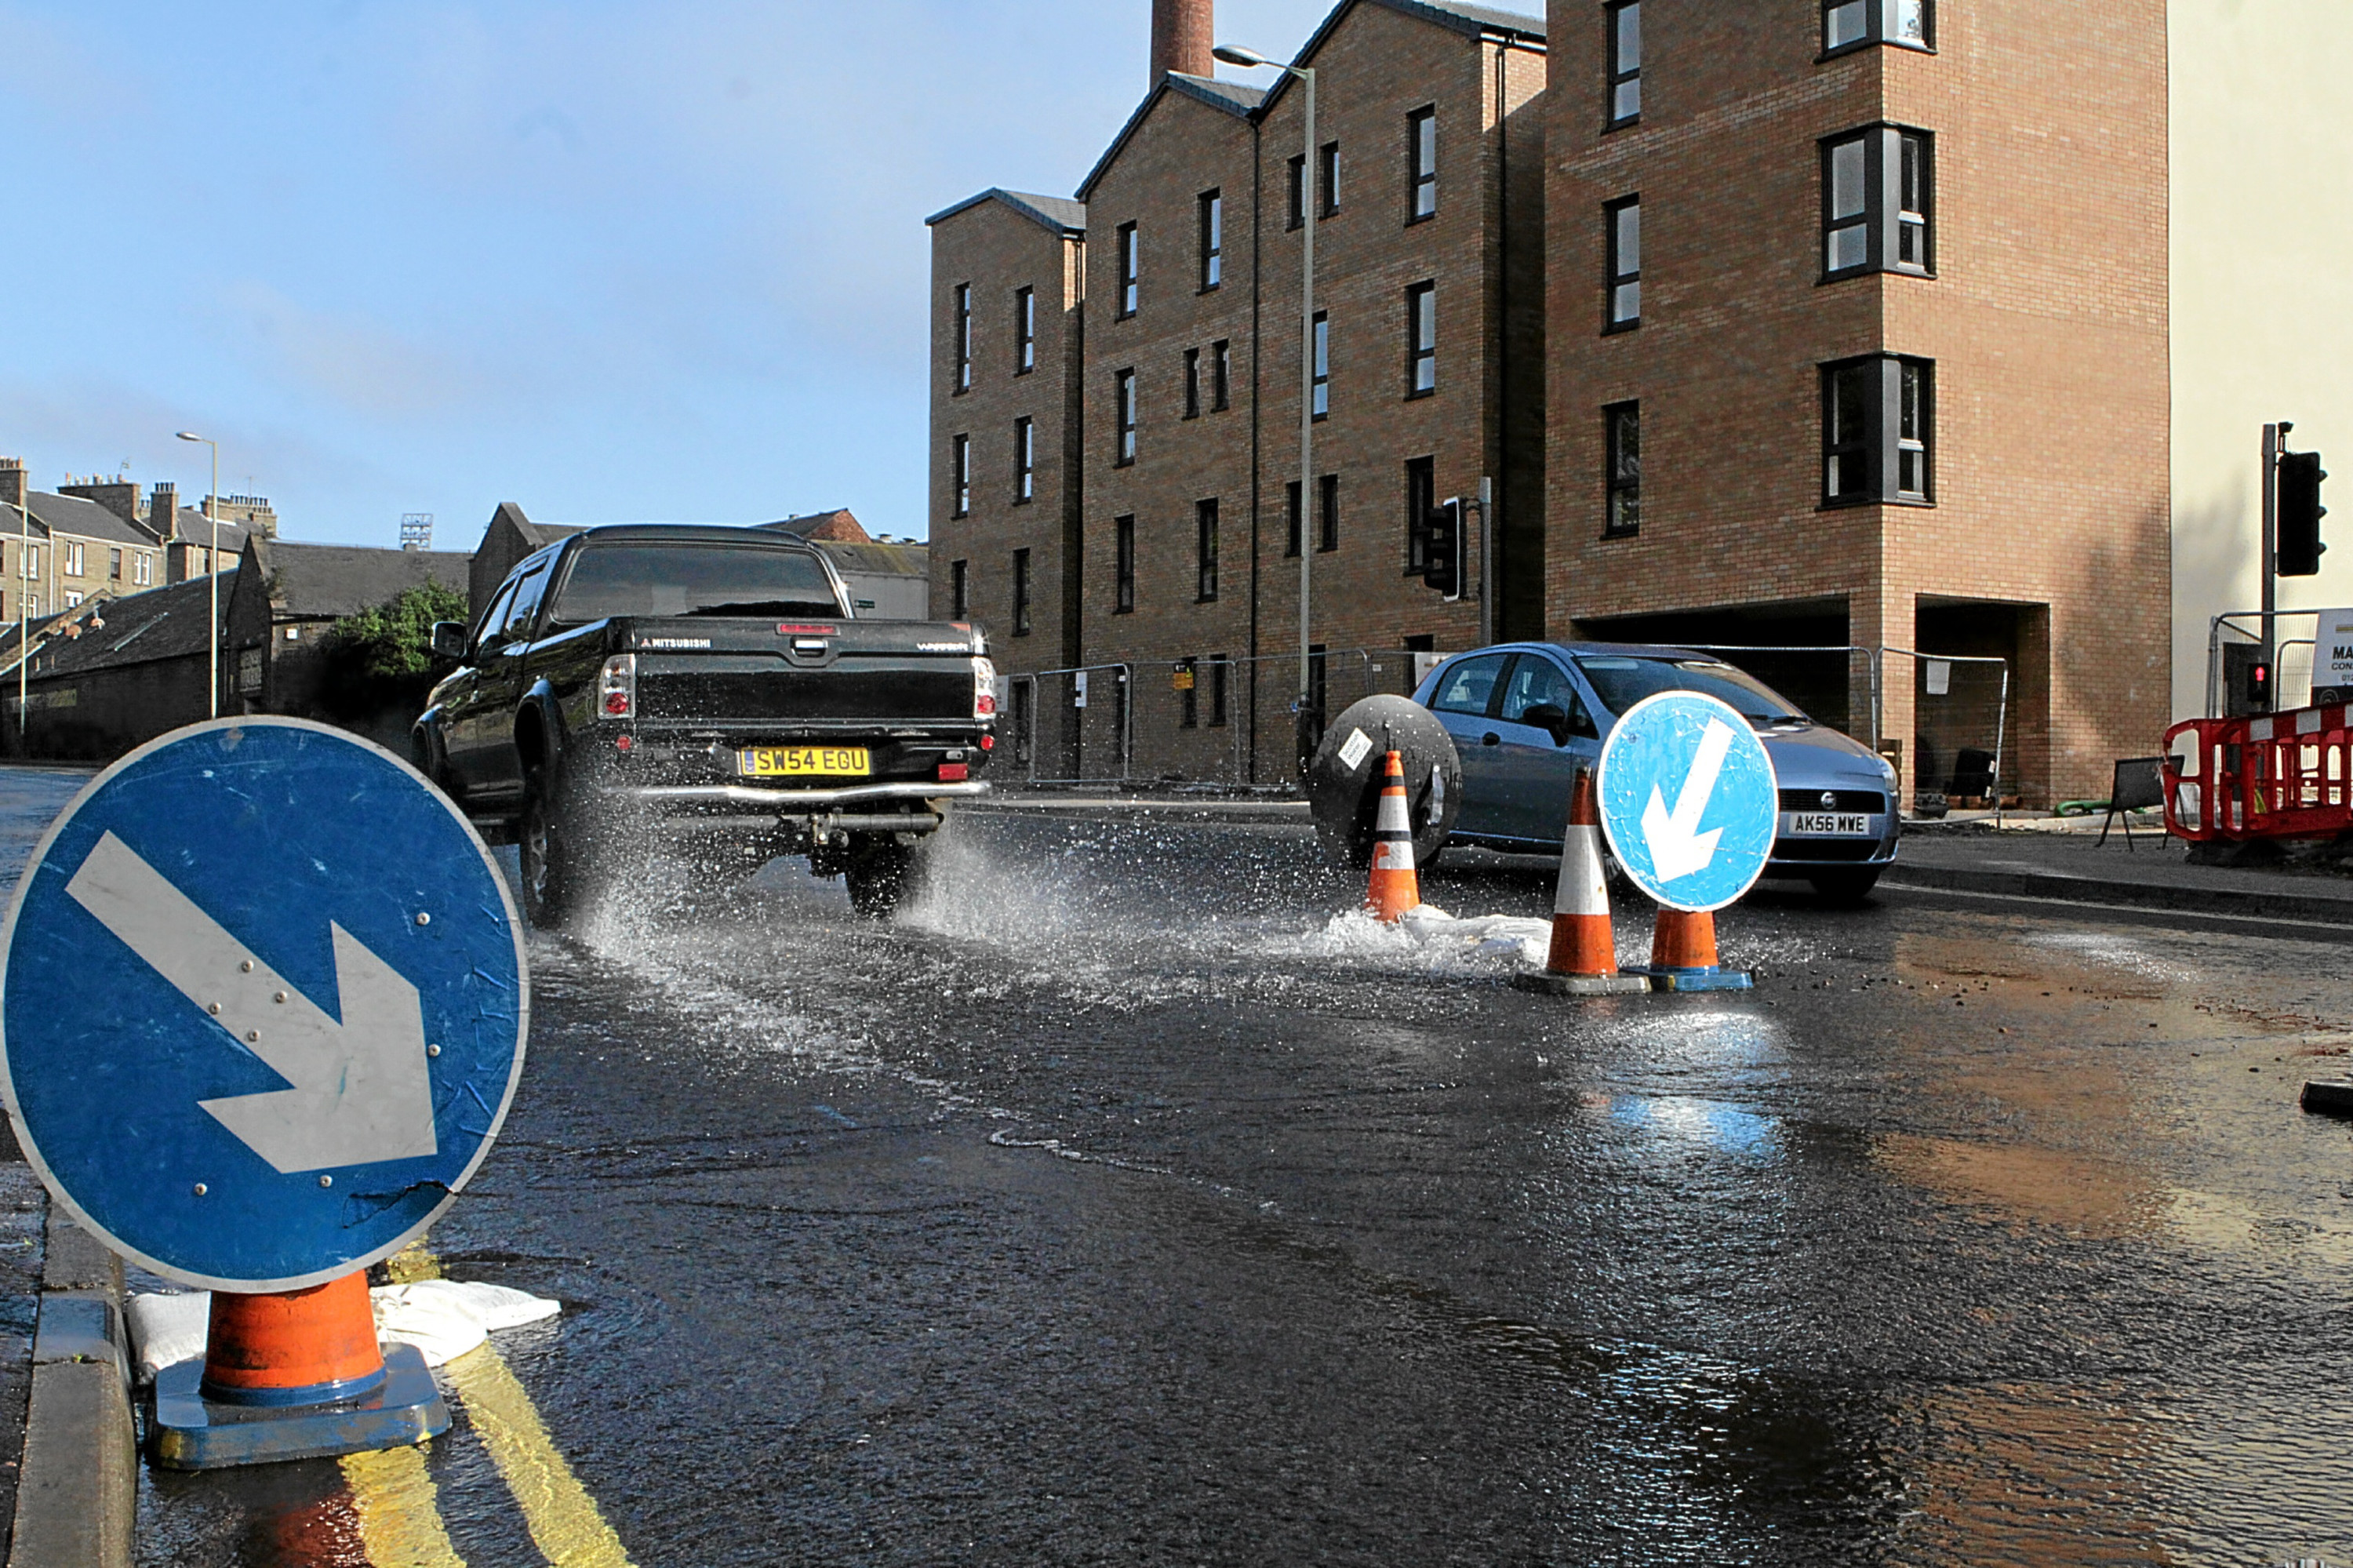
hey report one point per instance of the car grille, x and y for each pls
(1824, 848)
(1870, 800)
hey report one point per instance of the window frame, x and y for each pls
(1421, 314)
(1616, 75)
(1889, 151)
(1212, 216)
(1205, 524)
(1124, 565)
(1421, 163)
(1616, 277)
(960, 475)
(1619, 477)
(1025, 330)
(1021, 621)
(1896, 407)
(1192, 383)
(1875, 32)
(1123, 417)
(1127, 255)
(1293, 217)
(1327, 180)
(1421, 502)
(959, 590)
(1328, 513)
(1221, 375)
(1320, 388)
(1294, 529)
(1025, 460)
(962, 372)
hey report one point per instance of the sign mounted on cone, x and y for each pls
(262, 1005)
(1688, 800)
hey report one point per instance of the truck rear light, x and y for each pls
(989, 743)
(954, 772)
(617, 687)
(984, 689)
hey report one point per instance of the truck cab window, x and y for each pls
(627, 579)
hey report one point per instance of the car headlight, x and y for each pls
(1887, 770)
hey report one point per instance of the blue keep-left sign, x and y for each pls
(1688, 800)
(262, 1006)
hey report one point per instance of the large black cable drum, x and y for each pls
(1343, 780)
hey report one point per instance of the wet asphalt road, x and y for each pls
(1116, 1205)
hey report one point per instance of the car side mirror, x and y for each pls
(1549, 716)
(449, 640)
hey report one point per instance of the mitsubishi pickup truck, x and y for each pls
(630, 687)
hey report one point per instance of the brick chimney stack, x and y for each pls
(164, 509)
(1183, 33)
(12, 481)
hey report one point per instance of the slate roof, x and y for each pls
(1449, 14)
(328, 581)
(190, 523)
(85, 520)
(163, 623)
(838, 525)
(1060, 214)
(1229, 96)
(878, 560)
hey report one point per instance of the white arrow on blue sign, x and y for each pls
(263, 1004)
(1688, 799)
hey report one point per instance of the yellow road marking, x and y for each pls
(394, 1500)
(562, 1517)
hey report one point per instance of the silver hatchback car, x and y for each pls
(1524, 716)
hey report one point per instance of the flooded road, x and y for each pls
(1117, 1204)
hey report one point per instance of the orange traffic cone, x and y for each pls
(1583, 957)
(1683, 955)
(1394, 888)
(295, 1347)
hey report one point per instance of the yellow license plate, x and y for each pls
(803, 762)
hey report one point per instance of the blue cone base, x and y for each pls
(1698, 980)
(189, 1432)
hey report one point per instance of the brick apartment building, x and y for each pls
(1784, 323)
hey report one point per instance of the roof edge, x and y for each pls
(1028, 206)
(1199, 88)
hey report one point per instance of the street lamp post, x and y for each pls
(1234, 55)
(212, 561)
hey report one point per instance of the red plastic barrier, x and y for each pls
(2278, 776)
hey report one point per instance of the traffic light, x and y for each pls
(1442, 550)
(2258, 687)
(2300, 512)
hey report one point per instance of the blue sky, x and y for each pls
(610, 260)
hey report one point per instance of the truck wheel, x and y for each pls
(877, 875)
(550, 855)
(1845, 886)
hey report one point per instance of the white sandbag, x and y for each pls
(443, 1318)
(167, 1329)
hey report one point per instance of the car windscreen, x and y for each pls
(1620, 682)
(644, 579)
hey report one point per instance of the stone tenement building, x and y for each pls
(1784, 323)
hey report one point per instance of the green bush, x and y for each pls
(383, 657)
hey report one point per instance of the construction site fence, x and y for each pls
(2269, 775)
(1216, 720)
(2235, 640)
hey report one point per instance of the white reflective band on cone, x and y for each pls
(1393, 856)
(1392, 817)
(1581, 891)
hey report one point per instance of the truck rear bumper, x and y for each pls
(907, 806)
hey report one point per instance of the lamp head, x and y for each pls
(1234, 55)
(190, 436)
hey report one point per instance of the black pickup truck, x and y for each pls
(656, 682)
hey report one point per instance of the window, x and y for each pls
(1123, 391)
(961, 462)
(1129, 257)
(1290, 519)
(1025, 459)
(1469, 684)
(1420, 501)
(142, 569)
(1876, 187)
(74, 596)
(1020, 593)
(1624, 222)
(1192, 383)
(1213, 239)
(1536, 682)
(1327, 512)
(1025, 331)
(28, 565)
(1221, 375)
(964, 337)
(1292, 219)
(1852, 23)
(1123, 563)
(1327, 180)
(1205, 521)
(522, 615)
(1878, 431)
(1421, 340)
(959, 589)
(73, 558)
(1323, 363)
(1188, 679)
(1625, 22)
(1422, 165)
(1220, 664)
(1621, 425)
(115, 565)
